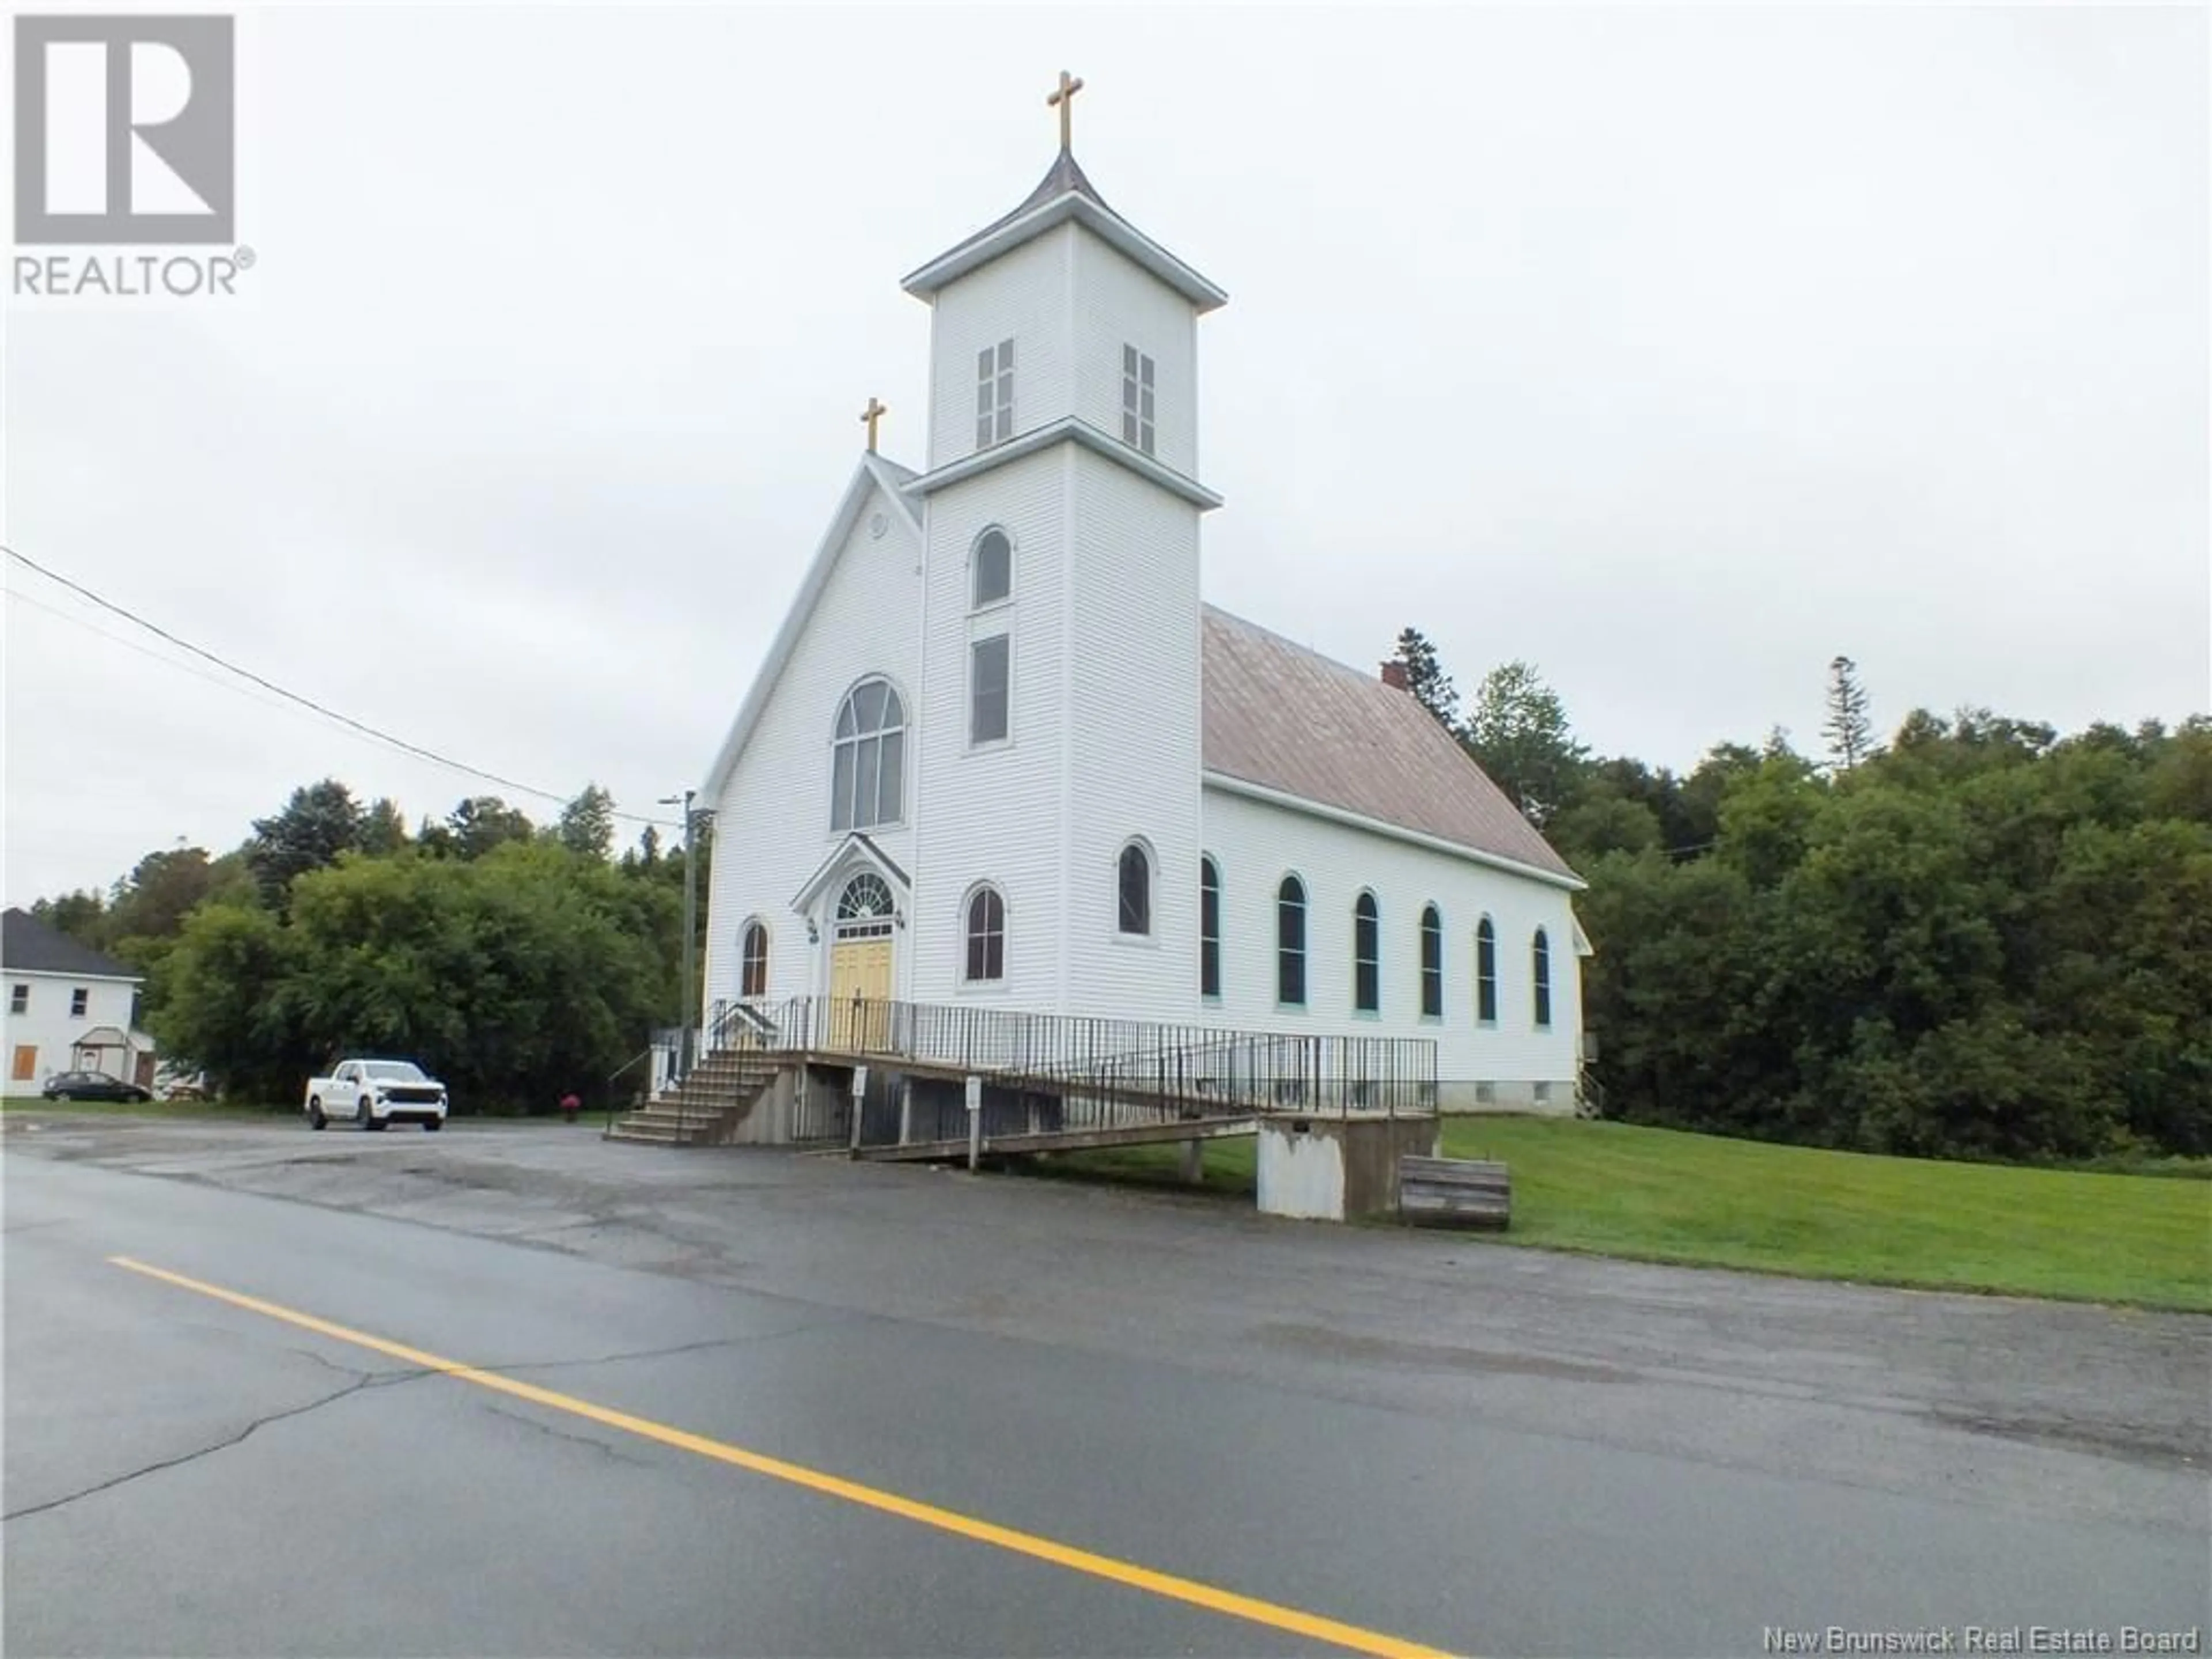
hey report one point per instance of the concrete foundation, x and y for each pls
(1324, 1168)
(1519, 1096)
(770, 1122)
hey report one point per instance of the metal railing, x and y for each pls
(614, 1099)
(1059, 1072)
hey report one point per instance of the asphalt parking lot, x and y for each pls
(1480, 1447)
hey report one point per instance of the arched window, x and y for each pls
(1432, 962)
(1134, 881)
(987, 937)
(1209, 927)
(991, 568)
(753, 979)
(1485, 973)
(1540, 961)
(1290, 943)
(867, 775)
(1366, 956)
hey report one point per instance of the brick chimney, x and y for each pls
(1394, 673)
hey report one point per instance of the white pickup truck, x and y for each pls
(375, 1093)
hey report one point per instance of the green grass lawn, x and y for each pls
(1661, 1196)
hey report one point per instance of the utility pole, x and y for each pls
(690, 949)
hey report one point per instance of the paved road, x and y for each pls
(1428, 1441)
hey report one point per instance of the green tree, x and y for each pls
(646, 853)
(587, 824)
(82, 915)
(1425, 678)
(1849, 727)
(384, 827)
(2122, 934)
(1765, 816)
(1602, 820)
(515, 977)
(163, 888)
(477, 825)
(320, 821)
(1517, 733)
(223, 1002)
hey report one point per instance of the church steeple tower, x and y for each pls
(1066, 286)
(1061, 611)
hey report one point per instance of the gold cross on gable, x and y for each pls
(874, 412)
(1064, 101)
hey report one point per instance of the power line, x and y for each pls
(151, 655)
(362, 726)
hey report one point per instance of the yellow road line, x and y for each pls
(1228, 1602)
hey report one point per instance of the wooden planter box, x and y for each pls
(1453, 1192)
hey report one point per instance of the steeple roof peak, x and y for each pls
(1065, 192)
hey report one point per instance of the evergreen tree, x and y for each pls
(318, 824)
(1849, 728)
(587, 824)
(1425, 678)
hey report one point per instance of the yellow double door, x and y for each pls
(860, 996)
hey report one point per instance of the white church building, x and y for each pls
(1001, 751)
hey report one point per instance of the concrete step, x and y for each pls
(735, 1077)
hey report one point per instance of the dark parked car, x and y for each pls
(92, 1085)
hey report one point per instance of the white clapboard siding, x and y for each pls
(993, 813)
(1118, 303)
(1134, 762)
(1255, 843)
(772, 819)
(1021, 296)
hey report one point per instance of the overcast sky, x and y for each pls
(1673, 350)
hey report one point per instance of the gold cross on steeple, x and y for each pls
(874, 412)
(1064, 101)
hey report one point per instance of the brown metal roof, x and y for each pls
(1292, 719)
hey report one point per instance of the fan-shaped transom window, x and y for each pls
(987, 937)
(753, 975)
(1290, 943)
(1432, 962)
(992, 568)
(1366, 954)
(867, 775)
(1134, 881)
(864, 909)
(1539, 954)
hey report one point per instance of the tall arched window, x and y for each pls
(1290, 943)
(1432, 962)
(1366, 956)
(1540, 962)
(1485, 973)
(1209, 927)
(753, 978)
(1134, 881)
(867, 774)
(987, 937)
(991, 567)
